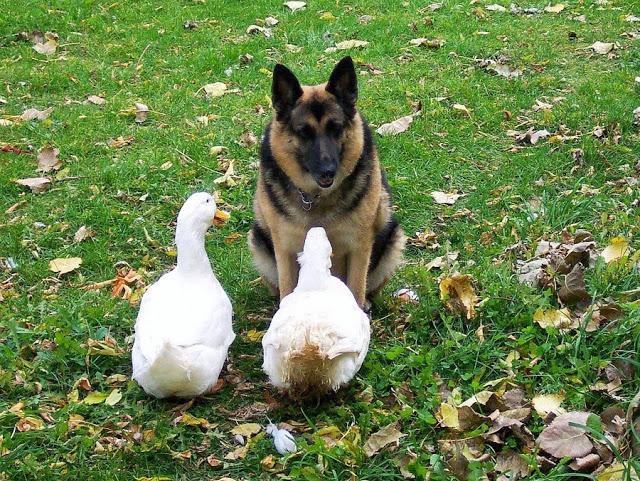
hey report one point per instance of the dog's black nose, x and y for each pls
(328, 172)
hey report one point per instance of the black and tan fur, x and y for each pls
(318, 148)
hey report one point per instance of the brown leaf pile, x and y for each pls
(505, 410)
(560, 267)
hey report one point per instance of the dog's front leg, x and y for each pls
(287, 270)
(358, 266)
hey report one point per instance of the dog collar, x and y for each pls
(307, 203)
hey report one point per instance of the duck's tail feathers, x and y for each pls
(183, 371)
(317, 367)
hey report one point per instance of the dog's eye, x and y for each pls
(334, 129)
(306, 132)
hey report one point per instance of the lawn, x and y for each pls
(483, 78)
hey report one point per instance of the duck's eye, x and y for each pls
(208, 201)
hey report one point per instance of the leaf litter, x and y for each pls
(48, 160)
(397, 126)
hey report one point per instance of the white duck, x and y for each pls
(319, 337)
(183, 329)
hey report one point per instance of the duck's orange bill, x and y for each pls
(220, 217)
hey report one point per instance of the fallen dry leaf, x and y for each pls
(397, 126)
(113, 398)
(247, 430)
(448, 416)
(560, 439)
(95, 397)
(462, 108)
(248, 139)
(238, 453)
(349, 44)
(427, 42)
(440, 261)
(142, 111)
(459, 295)
(29, 423)
(96, 100)
(35, 114)
(229, 177)
(494, 7)
(120, 142)
(65, 264)
(216, 89)
(47, 48)
(190, 420)
(504, 70)
(574, 290)
(255, 29)
(387, 435)
(554, 8)
(327, 17)
(509, 461)
(83, 233)
(295, 6)
(445, 198)
(48, 159)
(544, 404)
(558, 318)
(36, 184)
(617, 249)
(602, 48)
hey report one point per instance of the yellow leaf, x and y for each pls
(327, 17)
(558, 318)
(64, 265)
(617, 249)
(348, 44)
(113, 398)
(254, 336)
(448, 416)
(615, 472)
(246, 430)
(190, 420)
(95, 397)
(458, 293)
(480, 398)
(480, 333)
(547, 403)
(29, 424)
(268, 462)
(238, 453)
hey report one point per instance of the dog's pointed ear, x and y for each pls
(285, 91)
(343, 83)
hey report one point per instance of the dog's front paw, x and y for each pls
(367, 307)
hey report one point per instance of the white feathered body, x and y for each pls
(184, 325)
(318, 339)
(182, 335)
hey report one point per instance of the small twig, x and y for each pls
(142, 55)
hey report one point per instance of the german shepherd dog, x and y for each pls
(319, 168)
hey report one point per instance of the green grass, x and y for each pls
(140, 52)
